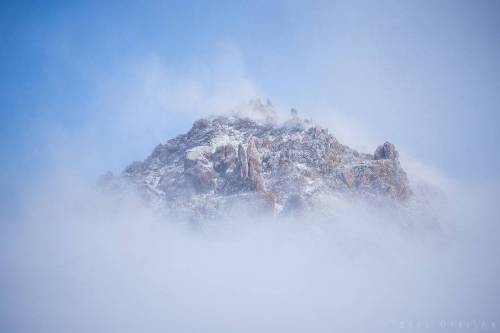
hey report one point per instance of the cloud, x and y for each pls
(138, 104)
(77, 259)
(82, 260)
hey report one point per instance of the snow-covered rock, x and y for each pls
(225, 161)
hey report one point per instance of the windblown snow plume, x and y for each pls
(314, 237)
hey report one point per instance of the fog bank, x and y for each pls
(81, 260)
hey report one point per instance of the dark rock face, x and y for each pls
(280, 166)
(387, 151)
(225, 159)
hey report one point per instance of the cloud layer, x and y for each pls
(76, 259)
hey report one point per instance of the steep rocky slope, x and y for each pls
(256, 161)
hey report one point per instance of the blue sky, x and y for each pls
(422, 74)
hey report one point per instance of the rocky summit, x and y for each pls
(251, 159)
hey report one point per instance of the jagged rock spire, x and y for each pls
(254, 167)
(242, 162)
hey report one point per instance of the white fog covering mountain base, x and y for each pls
(77, 259)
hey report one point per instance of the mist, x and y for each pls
(78, 258)
(92, 87)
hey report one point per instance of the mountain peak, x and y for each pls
(258, 110)
(253, 160)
